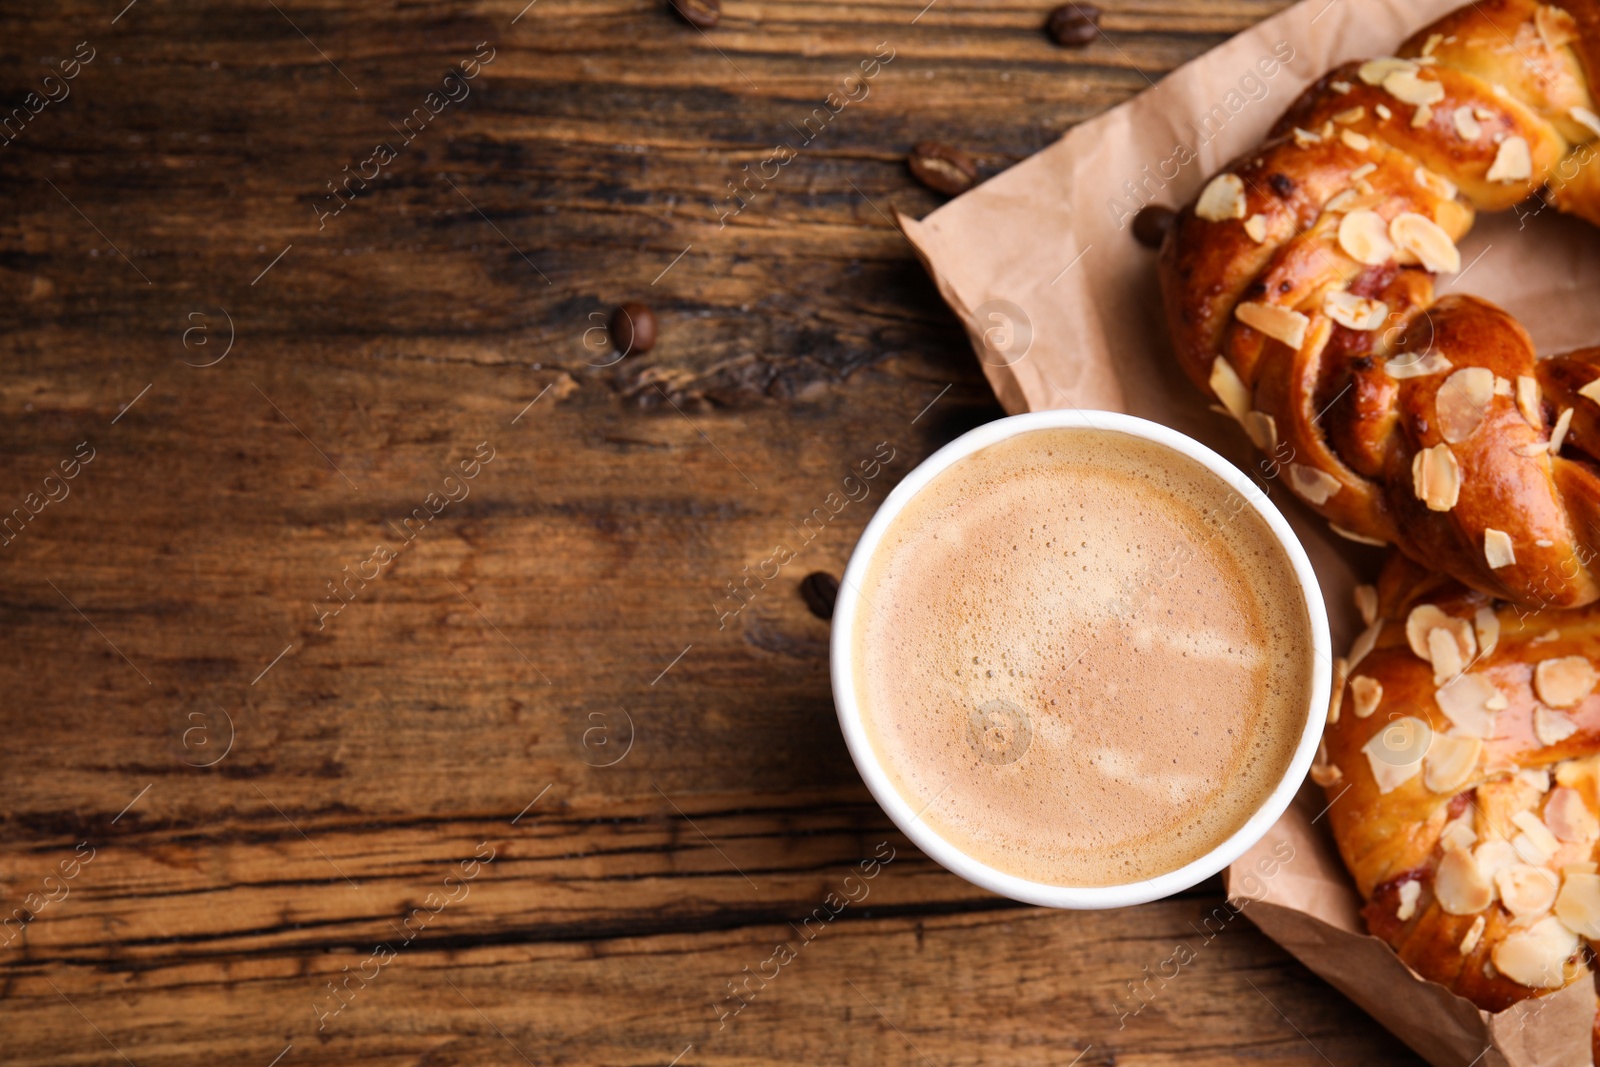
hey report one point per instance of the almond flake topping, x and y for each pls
(1529, 852)
(1578, 906)
(1422, 117)
(1502, 386)
(1416, 367)
(1256, 227)
(1366, 598)
(1528, 401)
(1512, 163)
(1395, 752)
(1365, 693)
(1350, 116)
(1494, 856)
(1552, 727)
(1445, 655)
(1537, 832)
(1262, 430)
(1324, 774)
(1409, 87)
(1559, 434)
(1467, 127)
(1339, 87)
(1364, 235)
(1568, 817)
(1374, 71)
(1354, 312)
(1460, 887)
(1436, 477)
(1536, 957)
(1351, 535)
(1355, 141)
(1341, 201)
(1467, 702)
(1462, 402)
(1437, 184)
(1314, 485)
(1473, 935)
(1431, 43)
(1591, 391)
(1426, 240)
(1562, 683)
(1450, 763)
(1497, 549)
(1555, 26)
(1278, 323)
(1305, 138)
(1425, 618)
(1229, 389)
(1362, 171)
(1458, 833)
(1587, 119)
(1383, 112)
(1526, 890)
(1364, 642)
(1409, 893)
(1487, 624)
(1222, 199)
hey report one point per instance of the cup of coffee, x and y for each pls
(1080, 659)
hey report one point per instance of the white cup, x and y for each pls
(908, 819)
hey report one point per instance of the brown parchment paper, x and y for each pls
(1044, 254)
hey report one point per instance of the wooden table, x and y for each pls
(527, 784)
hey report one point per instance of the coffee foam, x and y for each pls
(1082, 657)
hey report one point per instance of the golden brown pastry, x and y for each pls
(1462, 769)
(1300, 292)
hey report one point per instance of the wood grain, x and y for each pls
(178, 599)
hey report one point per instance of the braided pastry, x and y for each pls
(1462, 768)
(1300, 292)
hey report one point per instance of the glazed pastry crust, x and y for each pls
(1300, 292)
(1531, 762)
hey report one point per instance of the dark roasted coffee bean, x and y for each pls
(942, 168)
(820, 589)
(702, 13)
(633, 329)
(1073, 25)
(1151, 225)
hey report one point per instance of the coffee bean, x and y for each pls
(942, 168)
(1151, 224)
(820, 589)
(1073, 25)
(633, 329)
(702, 13)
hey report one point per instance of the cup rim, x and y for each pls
(909, 820)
